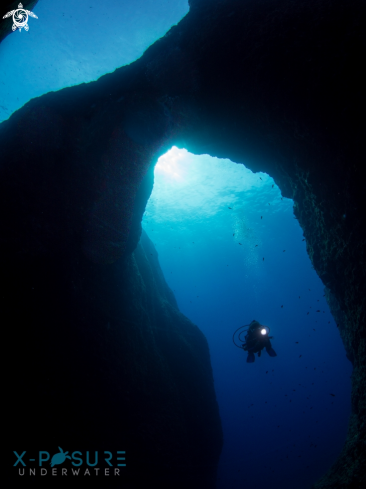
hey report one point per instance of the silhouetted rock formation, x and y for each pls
(276, 84)
(104, 360)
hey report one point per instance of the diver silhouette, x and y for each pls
(256, 338)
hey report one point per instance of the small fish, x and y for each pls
(267, 372)
(261, 217)
(284, 251)
(233, 234)
(313, 329)
(272, 185)
(299, 297)
(281, 306)
(296, 342)
(229, 207)
(255, 246)
(263, 258)
(260, 178)
(240, 243)
(307, 313)
(318, 310)
(333, 395)
(300, 356)
(281, 198)
(269, 203)
(303, 239)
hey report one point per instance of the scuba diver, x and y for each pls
(255, 340)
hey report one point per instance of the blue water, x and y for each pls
(212, 222)
(282, 428)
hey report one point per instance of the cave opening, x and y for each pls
(232, 251)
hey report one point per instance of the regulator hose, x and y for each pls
(239, 335)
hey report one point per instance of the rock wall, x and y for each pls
(102, 359)
(276, 84)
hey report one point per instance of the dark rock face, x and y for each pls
(276, 84)
(104, 360)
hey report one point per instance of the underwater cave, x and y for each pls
(231, 250)
(121, 294)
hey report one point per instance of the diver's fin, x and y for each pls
(271, 352)
(251, 357)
